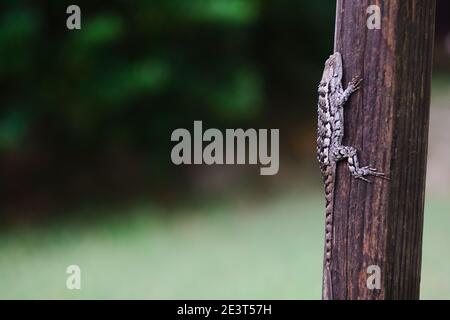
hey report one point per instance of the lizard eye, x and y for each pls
(335, 75)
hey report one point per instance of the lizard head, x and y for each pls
(333, 70)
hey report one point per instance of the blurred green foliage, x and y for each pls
(138, 69)
(88, 114)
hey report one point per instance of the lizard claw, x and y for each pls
(383, 176)
(368, 171)
(374, 172)
(355, 83)
(362, 178)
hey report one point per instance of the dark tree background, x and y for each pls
(88, 114)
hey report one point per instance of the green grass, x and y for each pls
(435, 282)
(233, 250)
(237, 250)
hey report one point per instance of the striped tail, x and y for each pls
(329, 197)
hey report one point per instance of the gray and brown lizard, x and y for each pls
(330, 132)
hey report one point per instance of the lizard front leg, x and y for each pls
(341, 152)
(351, 87)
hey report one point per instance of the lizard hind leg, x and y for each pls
(350, 153)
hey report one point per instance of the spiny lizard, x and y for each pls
(330, 132)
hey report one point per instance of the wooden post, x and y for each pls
(380, 224)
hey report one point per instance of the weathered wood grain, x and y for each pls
(387, 121)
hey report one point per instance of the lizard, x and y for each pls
(330, 150)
